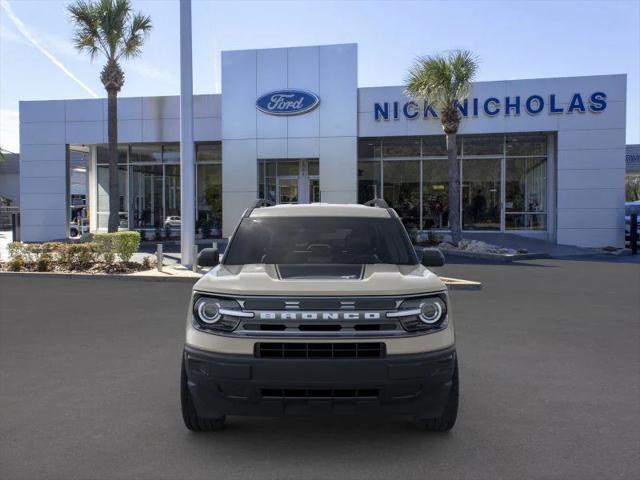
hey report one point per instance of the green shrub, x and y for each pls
(81, 256)
(44, 263)
(16, 263)
(106, 246)
(16, 249)
(146, 263)
(126, 244)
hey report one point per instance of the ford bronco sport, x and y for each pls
(320, 309)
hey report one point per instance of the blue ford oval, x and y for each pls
(287, 102)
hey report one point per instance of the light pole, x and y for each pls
(187, 147)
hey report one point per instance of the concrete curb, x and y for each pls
(100, 276)
(495, 257)
(452, 283)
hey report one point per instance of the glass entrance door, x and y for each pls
(289, 181)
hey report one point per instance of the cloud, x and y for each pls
(22, 28)
(9, 130)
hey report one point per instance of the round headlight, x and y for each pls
(208, 310)
(431, 311)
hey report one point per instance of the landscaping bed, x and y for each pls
(100, 253)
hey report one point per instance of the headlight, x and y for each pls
(207, 310)
(211, 313)
(431, 310)
(427, 313)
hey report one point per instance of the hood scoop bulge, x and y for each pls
(334, 272)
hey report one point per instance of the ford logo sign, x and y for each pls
(287, 102)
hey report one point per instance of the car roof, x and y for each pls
(320, 210)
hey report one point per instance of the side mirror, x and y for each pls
(209, 257)
(430, 257)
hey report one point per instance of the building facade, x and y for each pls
(541, 157)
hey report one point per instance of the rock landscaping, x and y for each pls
(99, 253)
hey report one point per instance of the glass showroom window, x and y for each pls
(526, 182)
(369, 165)
(154, 184)
(102, 175)
(209, 189)
(402, 190)
(435, 194)
(481, 194)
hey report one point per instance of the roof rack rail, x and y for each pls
(377, 202)
(260, 202)
(263, 202)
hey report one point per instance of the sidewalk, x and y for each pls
(6, 237)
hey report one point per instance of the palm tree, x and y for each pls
(443, 81)
(112, 29)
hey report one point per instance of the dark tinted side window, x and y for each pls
(320, 240)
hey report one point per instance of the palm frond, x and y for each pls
(442, 80)
(139, 28)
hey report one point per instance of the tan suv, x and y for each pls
(320, 309)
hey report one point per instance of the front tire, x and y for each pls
(192, 420)
(447, 420)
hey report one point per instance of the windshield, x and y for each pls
(320, 241)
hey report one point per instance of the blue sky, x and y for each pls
(513, 40)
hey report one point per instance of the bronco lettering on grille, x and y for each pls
(319, 315)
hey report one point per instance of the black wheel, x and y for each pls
(192, 420)
(447, 420)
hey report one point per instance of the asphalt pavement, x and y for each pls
(550, 387)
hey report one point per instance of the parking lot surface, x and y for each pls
(550, 387)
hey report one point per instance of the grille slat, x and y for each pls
(335, 303)
(320, 350)
(320, 393)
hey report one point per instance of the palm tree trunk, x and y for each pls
(114, 194)
(454, 189)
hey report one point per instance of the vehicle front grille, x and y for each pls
(320, 350)
(320, 393)
(312, 304)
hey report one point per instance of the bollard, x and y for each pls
(633, 233)
(15, 227)
(159, 257)
(194, 266)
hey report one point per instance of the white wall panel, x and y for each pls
(43, 185)
(271, 74)
(51, 218)
(592, 159)
(233, 204)
(587, 218)
(271, 148)
(240, 168)
(161, 130)
(591, 198)
(304, 74)
(160, 107)
(42, 111)
(42, 169)
(207, 129)
(207, 106)
(339, 89)
(591, 237)
(53, 153)
(239, 100)
(591, 139)
(595, 179)
(42, 233)
(85, 132)
(303, 148)
(86, 110)
(338, 167)
(46, 133)
(129, 131)
(129, 108)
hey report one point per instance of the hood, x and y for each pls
(265, 279)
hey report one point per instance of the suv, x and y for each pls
(320, 309)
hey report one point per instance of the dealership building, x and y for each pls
(543, 157)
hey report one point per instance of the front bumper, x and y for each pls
(415, 384)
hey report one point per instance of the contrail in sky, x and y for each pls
(27, 34)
